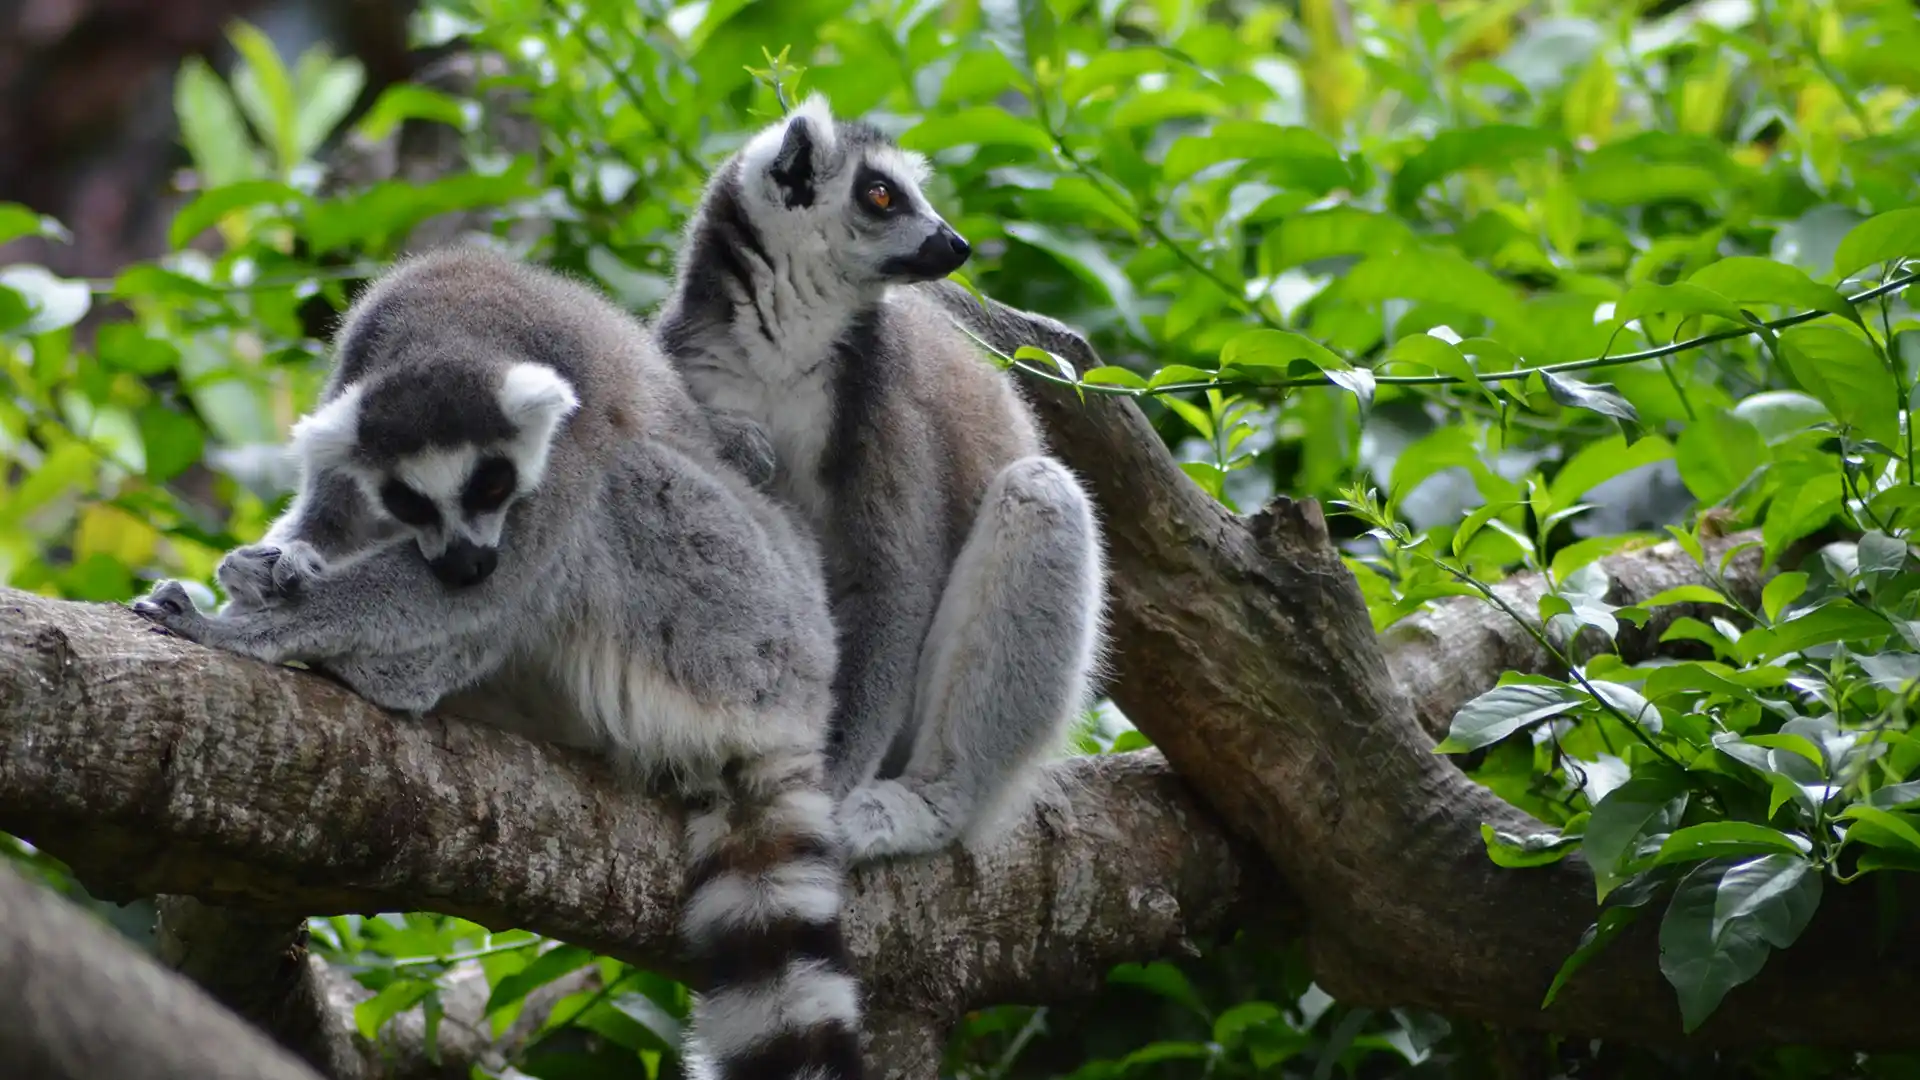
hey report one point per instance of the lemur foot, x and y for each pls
(169, 606)
(888, 818)
(261, 575)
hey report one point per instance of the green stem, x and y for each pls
(1449, 380)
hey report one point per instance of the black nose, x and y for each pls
(939, 255)
(945, 251)
(465, 563)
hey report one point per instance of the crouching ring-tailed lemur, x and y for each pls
(964, 563)
(510, 506)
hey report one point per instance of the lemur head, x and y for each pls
(448, 473)
(843, 192)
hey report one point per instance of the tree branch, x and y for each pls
(1245, 653)
(152, 765)
(1450, 653)
(82, 1003)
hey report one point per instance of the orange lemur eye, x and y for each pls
(879, 196)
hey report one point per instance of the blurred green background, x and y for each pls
(1512, 285)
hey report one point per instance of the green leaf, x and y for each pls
(211, 127)
(1700, 965)
(54, 303)
(1612, 922)
(1441, 356)
(1089, 261)
(1835, 620)
(1716, 838)
(1717, 453)
(1279, 349)
(17, 221)
(1490, 146)
(406, 101)
(1777, 414)
(1025, 31)
(1294, 157)
(1750, 279)
(1895, 796)
(1502, 711)
(265, 92)
(1680, 298)
(1335, 231)
(1883, 828)
(980, 126)
(1161, 978)
(1110, 375)
(1520, 852)
(173, 442)
(1602, 460)
(1598, 397)
(544, 968)
(212, 205)
(1435, 276)
(326, 96)
(393, 999)
(1881, 238)
(1777, 893)
(1881, 557)
(1781, 590)
(1686, 594)
(1618, 822)
(1844, 373)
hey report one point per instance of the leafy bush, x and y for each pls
(1562, 279)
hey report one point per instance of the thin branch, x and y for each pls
(1515, 374)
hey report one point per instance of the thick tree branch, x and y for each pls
(259, 967)
(153, 765)
(1452, 652)
(83, 1003)
(1245, 653)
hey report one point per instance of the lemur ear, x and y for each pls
(806, 151)
(793, 164)
(326, 437)
(535, 397)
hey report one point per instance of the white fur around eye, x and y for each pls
(327, 436)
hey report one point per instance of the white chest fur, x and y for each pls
(788, 391)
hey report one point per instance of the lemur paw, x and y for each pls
(886, 818)
(746, 446)
(261, 575)
(169, 606)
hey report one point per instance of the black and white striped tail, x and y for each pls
(776, 997)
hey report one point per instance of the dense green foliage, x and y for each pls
(1514, 284)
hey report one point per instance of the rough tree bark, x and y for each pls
(1246, 655)
(151, 765)
(82, 1002)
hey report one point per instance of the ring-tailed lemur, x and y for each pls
(507, 493)
(965, 564)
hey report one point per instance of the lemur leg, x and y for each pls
(1005, 668)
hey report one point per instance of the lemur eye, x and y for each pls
(492, 481)
(879, 195)
(408, 506)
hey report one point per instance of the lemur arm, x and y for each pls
(744, 445)
(380, 615)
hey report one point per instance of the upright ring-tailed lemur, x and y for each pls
(507, 494)
(965, 564)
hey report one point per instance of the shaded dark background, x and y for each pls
(87, 129)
